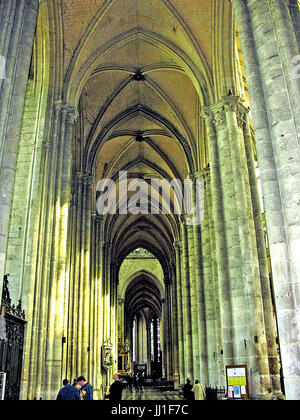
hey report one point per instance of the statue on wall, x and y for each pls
(107, 354)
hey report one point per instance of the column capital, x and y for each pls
(67, 111)
(187, 221)
(216, 113)
(177, 245)
(46, 145)
(88, 179)
(57, 105)
(201, 174)
(71, 112)
(79, 177)
(99, 218)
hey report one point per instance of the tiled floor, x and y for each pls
(150, 394)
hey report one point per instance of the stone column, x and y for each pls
(155, 332)
(121, 319)
(269, 312)
(225, 352)
(148, 350)
(169, 332)
(86, 281)
(209, 371)
(212, 297)
(98, 303)
(186, 305)
(174, 319)
(287, 49)
(180, 323)
(17, 28)
(198, 202)
(77, 262)
(268, 46)
(93, 301)
(243, 265)
(57, 269)
(113, 305)
(163, 337)
(33, 365)
(295, 15)
(194, 308)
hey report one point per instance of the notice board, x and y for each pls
(237, 382)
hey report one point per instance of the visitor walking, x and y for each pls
(187, 390)
(140, 384)
(130, 382)
(199, 391)
(115, 390)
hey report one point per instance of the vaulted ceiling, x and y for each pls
(142, 293)
(140, 72)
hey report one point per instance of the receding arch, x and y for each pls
(142, 272)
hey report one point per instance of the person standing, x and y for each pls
(68, 392)
(187, 390)
(115, 390)
(130, 382)
(141, 383)
(77, 386)
(199, 391)
(86, 389)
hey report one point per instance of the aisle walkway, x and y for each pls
(150, 394)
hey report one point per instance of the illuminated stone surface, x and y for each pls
(159, 90)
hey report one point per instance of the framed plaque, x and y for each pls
(237, 382)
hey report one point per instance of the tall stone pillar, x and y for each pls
(295, 15)
(61, 197)
(215, 361)
(243, 265)
(121, 320)
(186, 305)
(192, 292)
(180, 323)
(148, 350)
(86, 312)
(17, 28)
(269, 46)
(201, 371)
(98, 305)
(174, 317)
(225, 353)
(209, 289)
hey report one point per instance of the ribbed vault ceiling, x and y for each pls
(142, 293)
(140, 71)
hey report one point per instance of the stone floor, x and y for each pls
(150, 394)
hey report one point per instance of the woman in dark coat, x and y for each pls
(115, 390)
(187, 391)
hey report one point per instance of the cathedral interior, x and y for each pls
(200, 93)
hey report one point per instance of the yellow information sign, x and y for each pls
(237, 380)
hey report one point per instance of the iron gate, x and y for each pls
(11, 343)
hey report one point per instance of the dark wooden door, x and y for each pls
(11, 346)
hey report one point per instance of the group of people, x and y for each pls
(79, 390)
(194, 392)
(135, 381)
(82, 390)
